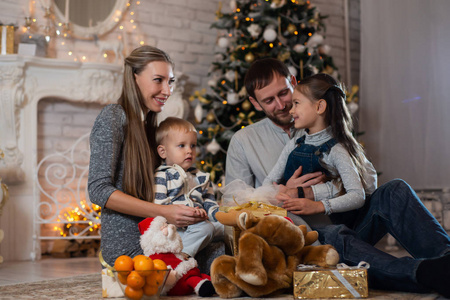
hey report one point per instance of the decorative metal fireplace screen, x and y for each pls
(62, 206)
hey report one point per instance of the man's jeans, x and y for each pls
(393, 208)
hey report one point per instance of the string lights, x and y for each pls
(41, 20)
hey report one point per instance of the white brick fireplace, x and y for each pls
(24, 81)
(46, 105)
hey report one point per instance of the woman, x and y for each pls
(124, 157)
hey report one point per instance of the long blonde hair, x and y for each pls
(140, 156)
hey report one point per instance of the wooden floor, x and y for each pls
(47, 268)
(52, 268)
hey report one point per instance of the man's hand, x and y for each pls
(300, 206)
(306, 180)
(293, 192)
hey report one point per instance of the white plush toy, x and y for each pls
(160, 240)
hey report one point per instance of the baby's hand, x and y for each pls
(201, 212)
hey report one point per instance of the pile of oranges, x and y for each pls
(141, 275)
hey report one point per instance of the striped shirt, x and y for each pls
(191, 188)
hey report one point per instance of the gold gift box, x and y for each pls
(331, 283)
(6, 39)
(258, 209)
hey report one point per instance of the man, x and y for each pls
(393, 208)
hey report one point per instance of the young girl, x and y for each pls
(123, 155)
(328, 146)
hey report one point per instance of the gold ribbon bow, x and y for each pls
(242, 117)
(351, 96)
(212, 132)
(199, 95)
(109, 269)
(213, 168)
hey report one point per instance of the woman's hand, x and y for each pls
(182, 216)
(306, 180)
(300, 206)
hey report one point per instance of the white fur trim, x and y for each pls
(184, 266)
(197, 287)
(151, 246)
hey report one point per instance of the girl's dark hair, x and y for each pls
(337, 115)
(140, 156)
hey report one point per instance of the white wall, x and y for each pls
(405, 77)
(180, 27)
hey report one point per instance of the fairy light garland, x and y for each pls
(61, 31)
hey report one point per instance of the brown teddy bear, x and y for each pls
(270, 248)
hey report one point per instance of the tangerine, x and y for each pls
(134, 294)
(160, 273)
(122, 276)
(159, 264)
(156, 278)
(143, 265)
(150, 290)
(124, 263)
(135, 280)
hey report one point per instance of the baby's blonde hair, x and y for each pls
(171, 124)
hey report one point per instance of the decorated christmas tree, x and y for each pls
(290, 30)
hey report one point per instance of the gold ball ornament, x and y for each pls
(249, 57)
(210, 117)
(246, 105)
(291, 28)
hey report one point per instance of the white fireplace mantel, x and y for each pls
(24, 80)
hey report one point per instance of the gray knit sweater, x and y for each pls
(120, 233)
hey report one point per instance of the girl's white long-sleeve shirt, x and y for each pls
(340, 162)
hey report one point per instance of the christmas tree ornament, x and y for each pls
(233, 5)
(270, 34)
(277, 3)
(198, 113)
(302, 26)
(353, 107)
(210, 117)
(212, 82)
(254, 30)
(249, 57)
(246, 105)
(223, 42)
(213, 147)
(283, 56)
(230, 75)
(328, 70)
(324, 50)
(292, 70)
(315, 40)
(299, 48)
(219, 13)
(232, 98)
(243, 92)
(291, 28)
